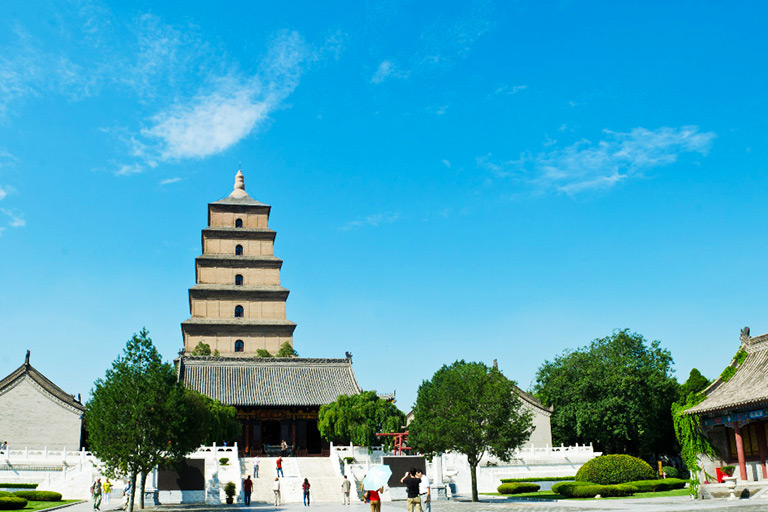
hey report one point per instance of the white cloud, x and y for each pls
(233, 107)
(619, 156)
(128, 169)
(506, 89)
(388, 69)
(3, 193)
(446, 163)
(168, 181)
(17, 220)
(372, 220)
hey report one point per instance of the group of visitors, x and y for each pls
(101, 490)
(417, 485)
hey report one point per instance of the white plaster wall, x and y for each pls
(31, 418)
(542, 433)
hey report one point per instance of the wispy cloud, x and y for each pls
(3, 193)
(168, 181)
(446, 163)
(372, 220)
(617, 157)
(219, 118)
(388, 69)
(16, 220)
(509, 90)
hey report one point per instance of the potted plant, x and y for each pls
(229, 489)
(224, 461)
(728, 470)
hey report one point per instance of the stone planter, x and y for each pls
(730, 483)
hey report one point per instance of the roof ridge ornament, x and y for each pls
(26, 361)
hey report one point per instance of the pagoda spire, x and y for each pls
(239, 190)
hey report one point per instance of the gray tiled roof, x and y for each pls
(248, 201)
(28, 370)
(244, 381)
(747, 388)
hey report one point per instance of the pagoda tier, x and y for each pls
(237, 305)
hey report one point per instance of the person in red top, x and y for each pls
(305, 488)
(375, 499)
(247, 489)
(280, 466)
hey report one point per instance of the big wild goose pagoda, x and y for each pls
(237, 308)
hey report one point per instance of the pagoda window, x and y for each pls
(239, 250)
(238, 223)
(239, 346)
(239, 280)
(238, 311)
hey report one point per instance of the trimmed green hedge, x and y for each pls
(12, 503)
(658, 485)
(6, 494)
(17, 486)
(544, 479)
(614, 469)
(517, 487)
(590, 490)
(39, 495)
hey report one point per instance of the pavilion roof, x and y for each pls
(748, 387)
(274, 381)
(29, 371)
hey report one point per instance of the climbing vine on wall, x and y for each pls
(691, 439)
(730, 370)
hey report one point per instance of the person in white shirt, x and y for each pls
(276, 488)
(424, 491)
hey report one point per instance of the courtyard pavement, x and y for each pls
(681, 503)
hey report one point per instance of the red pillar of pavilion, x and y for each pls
(740, 451)
(763, 448)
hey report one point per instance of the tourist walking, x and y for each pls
(256, 467)
(346, 487)
(424, 491)
(247, 489)
(305, 488)
(107, 490)
(96, 494)
(375, 499)
(279, 464)
(4, 446)
(411, 482)
(276, 488)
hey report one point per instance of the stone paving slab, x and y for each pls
(679, 503)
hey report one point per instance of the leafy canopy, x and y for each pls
(471, 409)
(139, 416)
(615, 392)
(358, 418)
(695, 384)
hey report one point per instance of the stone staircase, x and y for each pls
(325, 484)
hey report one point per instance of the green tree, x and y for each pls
(358, 418)
(139, 416)
(615, 392)
(695, 384)
(471, 409)
(287, 350)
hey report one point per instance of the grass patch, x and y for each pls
(42, 505)
(540, 495)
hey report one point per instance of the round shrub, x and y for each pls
(12, 503)
(39, 495)
(517, 488)
(672, 472)
(614, 469)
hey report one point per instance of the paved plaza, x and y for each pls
(682, 503)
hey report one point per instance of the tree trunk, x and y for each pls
(132, 491)
(143, 484)
(473, 472)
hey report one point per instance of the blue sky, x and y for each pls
(471, 180)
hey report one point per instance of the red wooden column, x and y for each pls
(740, 451)
(760, 427)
